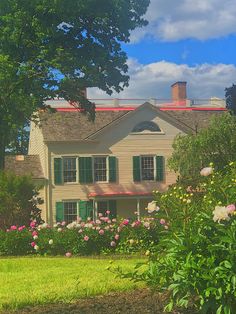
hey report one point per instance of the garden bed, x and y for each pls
(138, 301)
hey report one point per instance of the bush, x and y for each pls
(102, 236)
(18, 200)
(195, 259)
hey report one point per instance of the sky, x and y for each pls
(185, 40)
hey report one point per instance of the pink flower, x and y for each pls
(8, 230)
(231, 208)
(63, 223)
(101, 232)
(114, 220)
(117, 237)
(125, 222)
(21, 228)
(68, 254)
(34, 233)
(80, 231)
(86, 238)
(113, 243)
(13, 227)
(33, 244)
(32, 224)
(108, 212)
(162, 221)
(99, 214)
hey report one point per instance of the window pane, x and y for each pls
(70, 211)
(69, 169)
(102, 207)
(147, 168)
(100, 169)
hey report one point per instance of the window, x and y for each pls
(69, 169)
(102, 207)
(146, 126)
(147, 167)
(70, 211)
(100, 168)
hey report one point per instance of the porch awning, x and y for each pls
(114, 194)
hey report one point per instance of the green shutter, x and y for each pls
(58, 171)
(136, 168)
(59, 211)
(90, 208)
(160, 168)
(112, 208)
(85, 170)
(112, 169)
(85, 209)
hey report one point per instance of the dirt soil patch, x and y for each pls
(135, 302)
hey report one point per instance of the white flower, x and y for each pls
(152, 206)
(72, 225)
(220, 213)
(50, 241)
(43, 226)
(88, 225)
(59, 229)
(35, 237)
(206, 171)
(36, 247)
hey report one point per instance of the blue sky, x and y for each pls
(186, 40)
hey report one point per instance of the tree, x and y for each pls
(215, 144)
(230, 95)
(18, 200)
(52, 48)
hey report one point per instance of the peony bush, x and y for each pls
(102, 236)
(195, 259)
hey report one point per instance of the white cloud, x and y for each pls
(200, 19)
(154, 80)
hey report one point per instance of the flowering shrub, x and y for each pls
(195, 259)
(82, 238)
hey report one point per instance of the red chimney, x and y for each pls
(179, 95)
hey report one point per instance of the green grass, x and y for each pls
(33, 281)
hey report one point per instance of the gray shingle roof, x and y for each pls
(75, 126)
(29, 166)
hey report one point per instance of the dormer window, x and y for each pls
(146, 126)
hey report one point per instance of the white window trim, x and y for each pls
(107, 168)
(154, 168)
(72, 201)
(77, 169)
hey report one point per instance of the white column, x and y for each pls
(95, 209)
(138, 208)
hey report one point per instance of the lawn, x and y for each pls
(32, 281)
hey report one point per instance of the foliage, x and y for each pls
(230, 95)
(82, 238)
(18, 200)
(216, 144)
(57, 49)
(20, 142)
(195, 258)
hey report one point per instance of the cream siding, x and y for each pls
(38, 147)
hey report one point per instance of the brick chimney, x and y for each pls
(179, 94)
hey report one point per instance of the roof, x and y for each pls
(194, 119)
(24, 165)
(71, 125)
(75, 126)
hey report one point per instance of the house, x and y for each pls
(114, 163)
